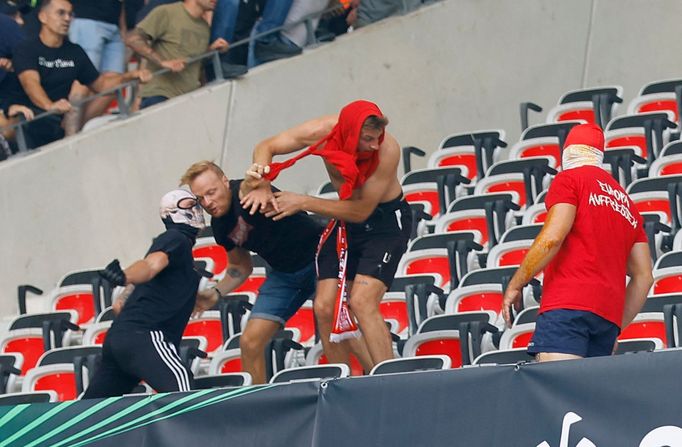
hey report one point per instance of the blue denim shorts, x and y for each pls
(282, 294)
(102, 42)
(576, 332)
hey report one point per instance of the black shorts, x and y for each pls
(374, 246)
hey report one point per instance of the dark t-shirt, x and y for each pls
(166, 302)
(287, 245)
(11, 36)
(108, 11)
(57, 67)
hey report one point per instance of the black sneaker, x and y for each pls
(266, 51)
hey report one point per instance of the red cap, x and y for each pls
(587, 134)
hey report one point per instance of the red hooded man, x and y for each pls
(360, 249)
(592, 238)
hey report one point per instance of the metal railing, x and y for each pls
(215, 57)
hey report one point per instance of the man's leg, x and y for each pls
(323, 306)
(365, 296)
(254, 338)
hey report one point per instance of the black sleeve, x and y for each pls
(221, 238)
(170, 242)
(25, 57)
(87, 73)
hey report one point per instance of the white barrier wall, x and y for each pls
(454, 66)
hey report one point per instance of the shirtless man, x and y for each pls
(362, 162)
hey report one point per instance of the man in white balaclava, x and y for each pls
(143, 342)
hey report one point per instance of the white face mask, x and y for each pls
(577, 155)
(182, 207)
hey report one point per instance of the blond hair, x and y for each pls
(199, 168)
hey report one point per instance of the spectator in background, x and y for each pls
(166, 38)
(97, 27)
(298, 34)
(365, 12)
(271, 46)
(47, 67)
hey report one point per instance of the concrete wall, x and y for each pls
(455, 66)
(79, 203)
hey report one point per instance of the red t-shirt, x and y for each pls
(589, 271)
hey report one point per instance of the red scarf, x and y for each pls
(340, 149)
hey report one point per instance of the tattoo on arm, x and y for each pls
(139, 42)
(234, 272)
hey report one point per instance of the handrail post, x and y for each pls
(21, 136)
(217, 67)
(310, 32)
(123, 108)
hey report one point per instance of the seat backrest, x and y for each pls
(521, 233)
(503, 357)
(517, 336)
(209, 326)
(35, 397)
(68, 354)
(225, 362)
(226, 380)
(27, 342)
(436, 343)
(36, 320)
(59, 378)
(488, 276)
(411, 364)
(316, 372)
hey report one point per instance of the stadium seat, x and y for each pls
(226, 380)
(503, 357)
(315, 356)
(631, 130)
(208, 325)
(508, 253)
(448, 255)
(434, 188)
(10, 369)
(646, 325)
(477, 297)
(314, 372)
(472, 152)
(667, 280)
(581, 105)
(525, 178)
(36, 397)
(304, 321)
(481, 214)
(96, 333)
(59, 377)
(517, 336)
(411, 364)
(658, 96)
(544, 140)
(29, 343)
(436, 343)
(635, 345)
(228, 361)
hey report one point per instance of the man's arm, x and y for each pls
(557, 226)
(358, 208)
(255, 193)
(146, 269)
(30, 81)
(138, 41)
(238, 270)
(293, 139)
(110, 80)
(641, 279)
